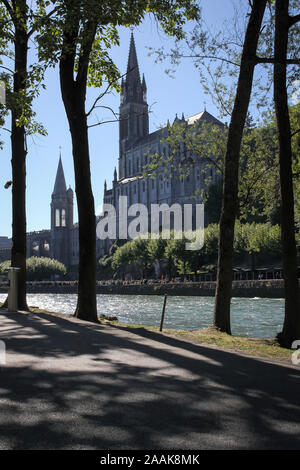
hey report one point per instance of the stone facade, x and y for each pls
(136, 146)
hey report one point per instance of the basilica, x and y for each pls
(136, 148)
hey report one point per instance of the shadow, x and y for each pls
(76, 385)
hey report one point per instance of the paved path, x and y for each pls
(68, 384)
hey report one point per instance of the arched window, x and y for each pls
(57, 218)
(63, 218)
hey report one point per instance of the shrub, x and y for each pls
(39, 269)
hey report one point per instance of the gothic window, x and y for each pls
(63, 218)
(57, 218)
(129, 167)
(144, 186)
(198, 174)
(137, 165)
(134, 189)
(153, 183)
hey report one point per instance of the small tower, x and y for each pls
(61, 218)
(134, 119)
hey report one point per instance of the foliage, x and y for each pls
(21, 101)
(204, 145)
(250, 238)
(216, 54)
(93, 27)
(39, 269)
(3, 267)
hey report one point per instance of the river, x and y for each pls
(256, 317)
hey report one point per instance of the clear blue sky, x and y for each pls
(166, 96)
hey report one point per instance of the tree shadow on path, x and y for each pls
(73, 385)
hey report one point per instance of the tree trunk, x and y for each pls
(18, 161)
(291, 327)
(231, 169)
(73, 94)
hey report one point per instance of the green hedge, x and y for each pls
(39, 269)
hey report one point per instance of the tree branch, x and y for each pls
(222, 59)
(6, 68)
(293, 20)
(295, 133)
(106, 91)
(106, 122)
(9, 8)
(34, 28)
(271, 60)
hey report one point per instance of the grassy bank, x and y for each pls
(266, 348)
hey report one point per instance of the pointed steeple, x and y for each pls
(115, 175)
(134, 113)
(60, 186)
(133, 90)
(132, 66)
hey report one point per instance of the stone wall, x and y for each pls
(262, 288)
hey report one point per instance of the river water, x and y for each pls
(257, 317)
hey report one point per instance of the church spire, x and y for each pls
(132, 89)
(133, 73)
(60, 186)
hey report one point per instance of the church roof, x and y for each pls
(204, 116)
(159, 133)
(60, 182)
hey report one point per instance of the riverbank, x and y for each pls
(249, 289)
(264, 348)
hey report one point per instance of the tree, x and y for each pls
(80, 40)
(224, 51)
(231, 169)
(156, 250)
(177, 252)
(20, 22)
(140, 254)
(291, 326)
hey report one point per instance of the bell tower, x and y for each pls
(61, 218)
(134, 119)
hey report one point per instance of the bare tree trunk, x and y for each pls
(231, 169)
(73, 94)
(291, 327)
(19, 152)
